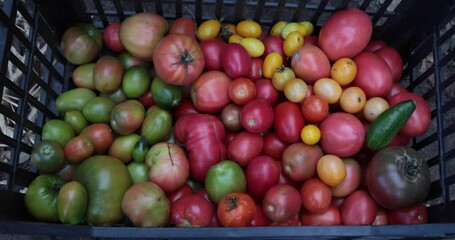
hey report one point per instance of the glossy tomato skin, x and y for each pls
(261, 174)
(419, 121)
(236, 210)
(242, 90)
(230, 116)
(185, 26)
(373, 75)
(257, 116)
(111, 37)
(191, 210)
(329, 217)
(288, 121)
(185, 107)
(393, 59)
(274, 44)
(315, 108)
(398, 177)
(41, 197)
(375, 45)
(345, 34)
(281, 202)
(310, 64)
(178, 59)
(299, 161)
(266, 90)
(358, 209)
(415, 214)
(316, 195)
(100, 134)
(184, 190)
(210, 92)
(244, 147)
(342, 134)
(381, 217)
(236, 61)
(273, 146)
(396, 88)
(212, 49)
(256, 69)
(352, 180)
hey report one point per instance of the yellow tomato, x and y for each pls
(248, 29)
(292, 43)
(271, 63)
(343, 71)
(331, 170)
(293, 27)
(253, 46)
(328, 89)
(277, 28)
(281, 76)
(310, 134)
(295, 90)
(309, 27)
(235, 38)
(353, 99)
(209, 29)
(227, 30)
(374, 107)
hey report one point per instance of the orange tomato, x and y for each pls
(331, 170)
(271, 63)
(281, 76)
(343, 71)
(236, 210)
(310, 134)
(209, 29)
(328, 89)
(248, 28)
(374, 107)
(295, 90)
(353, 99)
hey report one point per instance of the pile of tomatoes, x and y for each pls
(227, 125)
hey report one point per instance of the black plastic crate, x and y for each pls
(33, 72)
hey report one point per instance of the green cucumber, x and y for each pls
(388, 123)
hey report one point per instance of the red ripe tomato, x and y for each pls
(229, 137)
(288, 122)
(266, 90)
(329, 217)
(342, 134)
(214, 221)
(393, 60)
(381, 217)
(236, 61)
(230, 116)
(185, 26)
(375, 45)
(273, 146)
(415, 214)
(260, 219)
(261, 174)
(146, 99)
(316, 195)
(373, 75)
(294, 221)
(315, 108)
(352, 180)
(191, 210)
(420, 119)
(274, 44)
(284, 179)
(178, 59)
(236, 210)
(345, 34)
(299, 161)
(396, 88)
(185, 107)
(281, 202)
(111, 37)
(184, 190)
(242, 90)
(210, 92)
(212, 49)
(257, 116)
(244, 147)
(310, 64)
(310, 40)
(256, 69)
(358, 209)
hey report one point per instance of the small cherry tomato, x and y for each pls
(248, 29)
(315, 108)
(209, 29)
(309, 27)
(353, 99)
(316, 195)
(328, 89)
(271, 63)
(281, 76)
(242, 90)
(235, 38)
(331, 170)
(292, 43)
(277, 28)
(236, 210)
(295, 90)
(253, 46)
(374, 107)
(293, 27)
(343, 71)
(310, 134)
